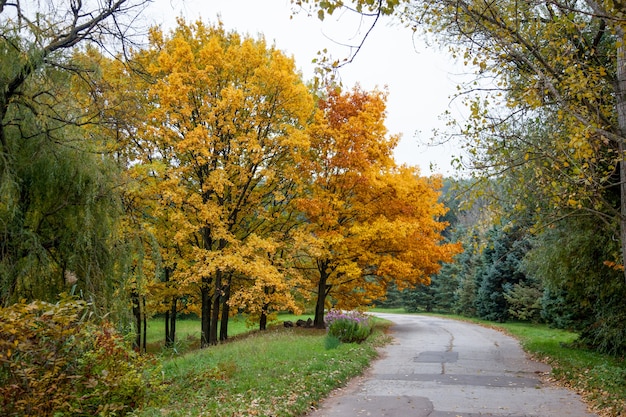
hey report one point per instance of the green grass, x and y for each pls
(279, 372)
(601, 378)
(188, 332)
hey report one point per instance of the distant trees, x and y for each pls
(505, 272)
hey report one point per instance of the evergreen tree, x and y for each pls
(500, 271)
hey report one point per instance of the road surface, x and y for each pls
(445, 368)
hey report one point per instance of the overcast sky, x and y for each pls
(420, 79)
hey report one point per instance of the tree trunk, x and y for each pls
(134, 296)
(263, 319)
(322, 291)
(621, 120)
(205, 294)
(225, 310)
(170, 324)
(205, 308)
(168, 343)
(145, 324)
(215, 313)
(173, 314)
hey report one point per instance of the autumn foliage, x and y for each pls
(374, 222)
(54, 360)
(242, 191)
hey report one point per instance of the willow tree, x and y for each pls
(57, 205)
(221, 139)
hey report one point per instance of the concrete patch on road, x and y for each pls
(467, 380)
(437, 357)
(377, 406)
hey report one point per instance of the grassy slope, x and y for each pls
(281, 372)
(188, 332)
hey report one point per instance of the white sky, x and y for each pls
(420, 79)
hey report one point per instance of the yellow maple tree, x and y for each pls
(220, 143)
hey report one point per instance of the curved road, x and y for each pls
(445, 368)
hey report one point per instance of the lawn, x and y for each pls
(278, 372)
(188, 332)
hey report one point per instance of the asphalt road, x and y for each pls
(445, 368)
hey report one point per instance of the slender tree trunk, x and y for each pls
(225, 309)
(173, 314)
(134, 296)
(205, 294)
(217, 297)
(322, 291)
(168, 343)
(205, 319)
(170, 324)
(621, 119)
(145, 324)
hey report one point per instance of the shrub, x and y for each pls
(525, 301)
(53, 361)
(348, 327)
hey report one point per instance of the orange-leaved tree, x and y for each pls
(222, 138)
(374, 222)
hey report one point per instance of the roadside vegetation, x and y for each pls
(277, 372)
(600, 378)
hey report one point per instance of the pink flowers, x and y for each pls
(348, 326)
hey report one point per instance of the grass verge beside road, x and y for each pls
(601, 379)
(188, 332)
(279, 372)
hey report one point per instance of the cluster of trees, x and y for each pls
(197, 173)
(509, 270)
(545, 142)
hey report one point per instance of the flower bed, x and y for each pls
(348, 326)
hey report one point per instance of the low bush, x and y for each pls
(348, 327)
(56, 362)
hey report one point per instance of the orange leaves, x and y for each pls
(376, 221)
